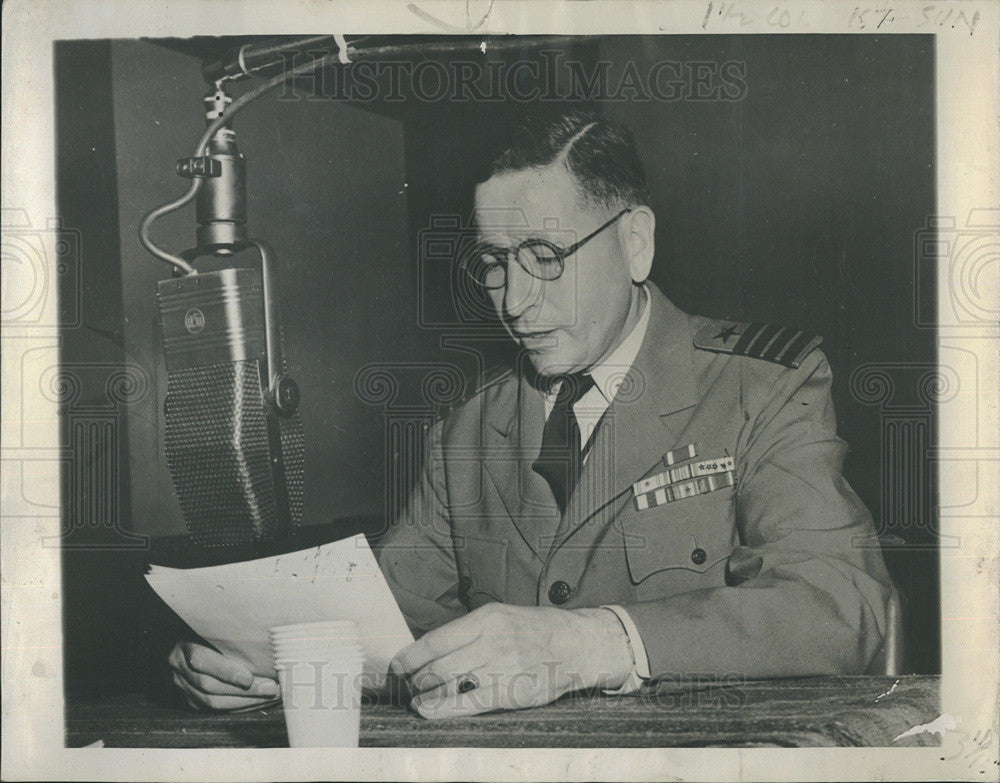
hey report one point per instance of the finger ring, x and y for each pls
(468, 683)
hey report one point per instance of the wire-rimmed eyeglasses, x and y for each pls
(486, 264)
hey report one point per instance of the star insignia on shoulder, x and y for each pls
(758, 340)
(725, 333)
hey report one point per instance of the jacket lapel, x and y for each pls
(645, 419)
(513, 437)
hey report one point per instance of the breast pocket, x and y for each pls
(482, 569)
(693, 534)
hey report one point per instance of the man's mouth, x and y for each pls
(533, 336)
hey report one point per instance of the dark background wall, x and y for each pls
(796, 203)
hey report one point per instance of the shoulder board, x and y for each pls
(778, 344)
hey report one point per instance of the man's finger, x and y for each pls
(436, 643)
(221, 703)
(447, 702)
(447, 668)
(262, 687)
(176, 657)
(222, 667)
(209, 685)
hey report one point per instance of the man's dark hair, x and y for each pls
(600, 153)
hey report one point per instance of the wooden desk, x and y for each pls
(814, 711)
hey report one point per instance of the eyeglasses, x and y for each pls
(487, 264)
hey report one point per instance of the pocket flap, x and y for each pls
(694, 534)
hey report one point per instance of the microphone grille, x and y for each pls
(217, 447)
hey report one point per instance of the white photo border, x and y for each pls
(967, 90)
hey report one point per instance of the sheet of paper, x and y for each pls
(233, 606)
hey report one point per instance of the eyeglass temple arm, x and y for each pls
(577, 245)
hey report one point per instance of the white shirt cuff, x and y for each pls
(640, 671)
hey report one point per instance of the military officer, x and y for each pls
(647, 494)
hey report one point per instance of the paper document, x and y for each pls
(233, 606)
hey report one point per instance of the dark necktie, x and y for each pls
(560, 460)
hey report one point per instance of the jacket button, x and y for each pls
(464, 584)
(559, 592)
(698, 556)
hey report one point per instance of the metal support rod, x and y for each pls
(249, 59)
(252, 57)
(272, 337)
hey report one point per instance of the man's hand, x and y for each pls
(210, 680)
(517, 656)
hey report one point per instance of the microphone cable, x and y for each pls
(237, 105)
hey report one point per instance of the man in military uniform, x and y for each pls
(647, 494)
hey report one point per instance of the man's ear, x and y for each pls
(639, 227)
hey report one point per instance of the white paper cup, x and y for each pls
(316, 624)
(322, 705)
(333, 645)
(347, 629)
(305, 655)
(320, 675)
(333, 642)
(316, 659)
(313, 647)
(337, 636)
(309, 642)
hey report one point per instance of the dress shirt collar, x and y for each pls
(609, 374)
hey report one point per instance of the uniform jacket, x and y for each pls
(777, 575)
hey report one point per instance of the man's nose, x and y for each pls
(522, 290)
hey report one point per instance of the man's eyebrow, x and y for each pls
(509, 241)
(483, 232)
